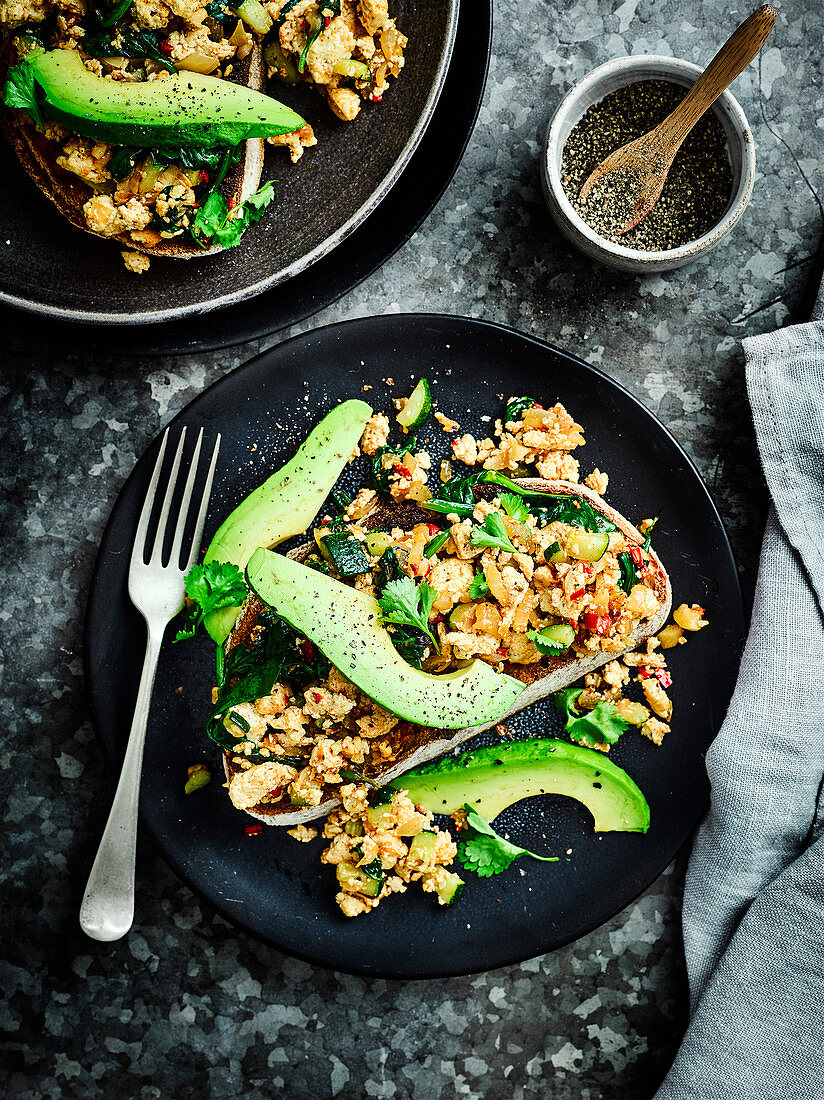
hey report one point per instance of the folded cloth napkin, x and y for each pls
(754, 896)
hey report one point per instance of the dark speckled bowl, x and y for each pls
(47, 266)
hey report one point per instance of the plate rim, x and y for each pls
(114, 761)
(358, 217)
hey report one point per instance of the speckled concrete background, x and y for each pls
(188, 1007)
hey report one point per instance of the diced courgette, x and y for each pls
(283, 67)
(357, 880)
(254, 15)
(417, 408)
(346, 553)
(422, 847)
(450, 889)
(588, 545)
(378, 542)
(356, 70)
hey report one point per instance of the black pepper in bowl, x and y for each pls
(698, 187)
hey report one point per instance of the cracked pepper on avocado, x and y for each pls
(347, 662)
(119, 118)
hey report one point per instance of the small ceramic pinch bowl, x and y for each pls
(592, 89)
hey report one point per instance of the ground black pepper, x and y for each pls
(698, 186)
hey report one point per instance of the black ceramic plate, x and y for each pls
(408, 204)
(54, 269)
(277, 889)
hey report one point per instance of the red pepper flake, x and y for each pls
(204, 176)
(577, 594)
(276, 793)
(501, 651)
(308, 649)
(253, 830)
(165, 47)
(413, 569)
(231, 202)
(327, 19)
(598, 623)
(587, 570)
(535, 405)
(375, 98)
(636, 555)
(404, 471)
(663, 677)
(644, 673)
(434, 529)
(316, 695)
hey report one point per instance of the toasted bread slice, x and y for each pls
(69, 193)
(416, 744)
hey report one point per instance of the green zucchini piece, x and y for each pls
(450, 889)
(255, 16)
(356, 70)
(417, 408)
(348, 874)
(378, 542)
(284, 68)
(345, 553)
(588, 545)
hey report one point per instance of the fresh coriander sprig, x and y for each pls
(210, 587)
(215, 223)
(514, 506)
(600, 726)
(407, 604)
(485, 852)
(492, 533)
(478, 587)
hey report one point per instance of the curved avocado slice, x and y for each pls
(345, 626)
(184, 109)
(287, 502)
(492, 778)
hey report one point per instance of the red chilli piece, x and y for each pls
(434, 529)
(536, 405)
(644, 673)
(586, 570)
(231, 202)
(316, 695)
(636, 555)
(165, 47)
(327, 19)
(375, 98)
(600, 624)
(404, 471)
(501, 651)
(663, 677)
(204, 176)
(253, 830)
(307, 649)
(577, 594)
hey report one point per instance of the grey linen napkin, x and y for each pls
(754, 898)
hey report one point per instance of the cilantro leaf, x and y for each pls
(212, 586)
(216, 223)
(492, 533)
(408, 605)
(485, 852)
(548, 646)
(24, 93)
(478, 587)
(514, 506)
(600, 726)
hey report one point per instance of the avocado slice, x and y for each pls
(287, 502)
(345, 625)
(184, 109)
(492, 778)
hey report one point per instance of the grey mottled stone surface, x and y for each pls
(188, 1007)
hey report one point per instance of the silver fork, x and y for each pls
(157, 591)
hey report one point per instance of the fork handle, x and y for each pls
(107, 910)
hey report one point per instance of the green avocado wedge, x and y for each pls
(287, 502)
(183, 109)
(492, 778)
(345, 625)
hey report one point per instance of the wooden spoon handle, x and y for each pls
(731, 60)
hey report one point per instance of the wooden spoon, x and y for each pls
(645, 162)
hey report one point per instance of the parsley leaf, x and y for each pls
(478, 587)
(24, 93)
(212, 586)
(629, 575)
(600, 726)
(492, 533)
(408, 605)
(514, 506)
(552, 646)
(216, 223)
(485, 852)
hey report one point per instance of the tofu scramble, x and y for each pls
(304, 743)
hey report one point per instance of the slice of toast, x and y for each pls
(416, 744)
(69, 192)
